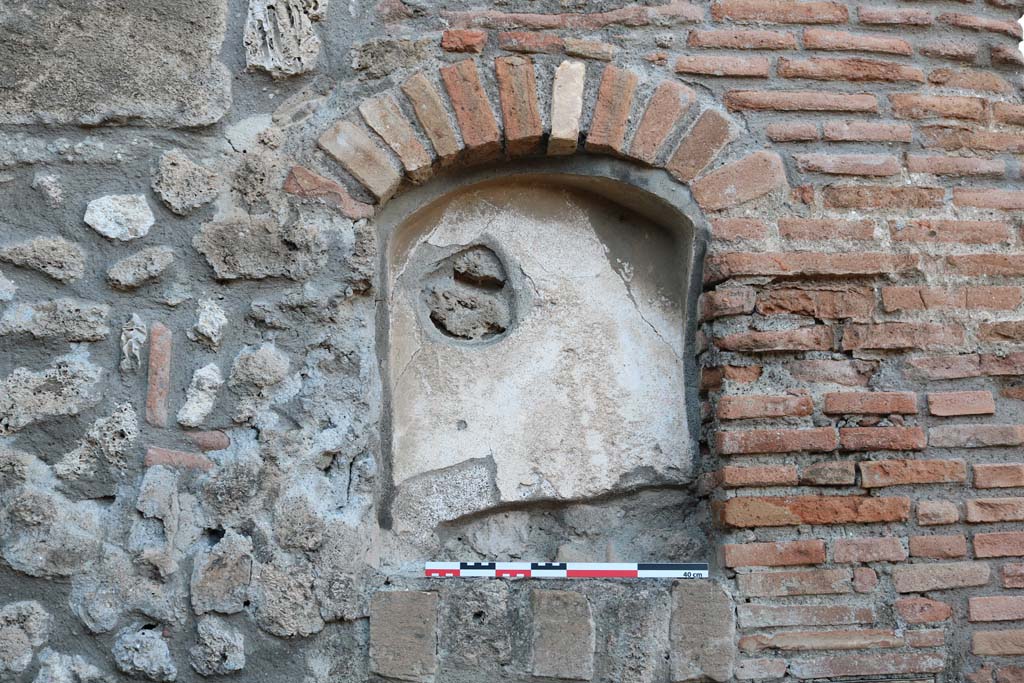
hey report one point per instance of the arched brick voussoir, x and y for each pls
(454, 122)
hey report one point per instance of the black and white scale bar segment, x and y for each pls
(568, 570)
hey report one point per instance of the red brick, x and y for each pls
(921, 298)
(997, 475)
(761, 406)
(976, 436)
(768, 616)
(969, 79)
(740, 181)
(986, 264)
(913, 106)
(1004, 331)
(922, 610)
(723, 65)
(352, 147)
(989, 198)
(883, 197)
(866, 131)
(829, 474)
(632, 15)
(739, 39)
(879, 473)
(949, 138)
(766, 475)
(530, 42)
(855, 550)
(826, 39)
(702, 143)
(956, 50)
(590, 49)
(865, 580)
(881, 439)
(817, 338)
(667, 105)
(979, 23)
(464, 40)
(856, 70)
(955, 166)
(1005, 112)
(302, 182)
(994, 298)
(982, 510)
(951, 231)
(860, 639)
(387, 120)
(949, 403)
(212, 440)
(999, 643)
(792, 131)
(999, 544)
(778, 554)
(177, 459)
(611, 112)
(517, 89)
(798, 582)
(871, 403)
(433, 117)
(893, 17)
(780, 11)
(849, 164)
(922, 578)
(759, 441)
(1013, 576)
(736, 229)
(1006, 55)
(939, 547)
(727, 301)
(724, 266)
(996, 608)
(795, 510)
(744, 374)
(867, 665)
(472, 110)
(901, 336)
(855, 303)
(799, 100)
(160, 350)
(760, 668)
(937, 512)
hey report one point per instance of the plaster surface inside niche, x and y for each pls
(560, 375)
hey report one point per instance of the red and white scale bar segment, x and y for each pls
(567, 570)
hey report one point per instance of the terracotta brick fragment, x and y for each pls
(736, 229)
(723, 266)
(949, 403)
(998, 475)
(212, 440)
(922, 298)
(799, 582)
(883, 197)
(948, 547)
(761, 406)
(747, 512)
(982, 510)
(1006, 200)
(855, 70)
(922, 610)
(817, 338)
(854, 550)
(727, 301)
(914, 106)
(779, 554)
(937, 512)
(768, 616)
(861, 664)
(866, 131)
(981, 23)
(472, 110)
(950, 138)
(1001, 608)
(756, 441)
(861, 639)
(854, 303)
(976, 436)
(1006, 643)
(1006, 112)
(849, 164)
(667, 105)
(464, 40)
(921, 578)
(302, 182)
(970, 79)
(1006, 55)
(766, 475)
(433, 117)
(871, 403)
(387, 120)
(951, 231)
(865, 579)
(351, 147)
(999, 544)
(1013, 576)
(517, 90)
(799, 100)
(780, 11)
(924, 336)
(850, 373)
(1003, 331)
(868, 14)
(590, 49)
(566, 107)
(879, 473)
(530, 42)
(610, 122)
(723, 65)
(760, 669)
(698, 148)
(827, 39)
(741, 39)
(792, 131)
(829, 474)
(881, 439)
(955, 166)
(740, 181)
(743, 374)
(986, 264)
(177, 459)
(160, 350)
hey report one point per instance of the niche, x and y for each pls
(536, 349)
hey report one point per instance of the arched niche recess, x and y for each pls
(536, 338)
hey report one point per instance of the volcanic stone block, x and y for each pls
(701, 632)
(563, 635)
(403, 635)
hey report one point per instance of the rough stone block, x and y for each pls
(403, 635)
(563, 635)
(701, 632)
(566, 107)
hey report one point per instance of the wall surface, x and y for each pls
(245, 381)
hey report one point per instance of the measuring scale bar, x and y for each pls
(567, 570)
